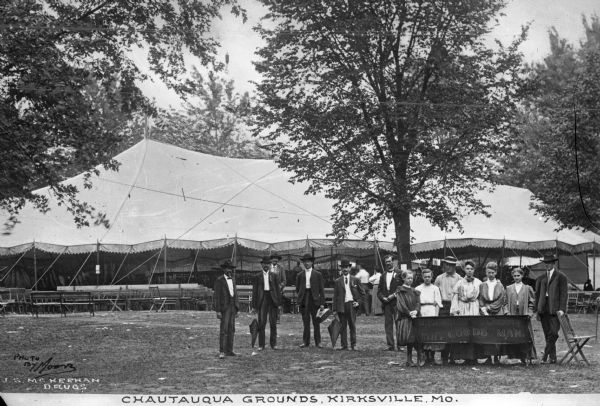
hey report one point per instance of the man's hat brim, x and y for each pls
(307, 257)
(450, 260)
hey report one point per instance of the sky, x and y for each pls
(240, 41)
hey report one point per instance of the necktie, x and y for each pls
(346, 280)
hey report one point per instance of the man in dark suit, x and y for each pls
(551, 302)
(266, 298)
(310, 291)
(226, 305)
(275, 267)
(348, 292)
(390, 280)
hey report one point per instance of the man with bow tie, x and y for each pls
(551, 302)
(266, 299)
(226, 305)
(348, 292)
(310, 291)
(388, 283)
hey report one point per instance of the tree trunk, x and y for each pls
(402, 228)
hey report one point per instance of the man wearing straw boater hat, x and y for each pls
(226, 305)
(311, 298)
(550, 302)
(445, 283)
(266, 298)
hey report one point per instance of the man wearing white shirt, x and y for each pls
(363, 277)
(310, 291)
(347, 294)
(226, 306)
(388, 283)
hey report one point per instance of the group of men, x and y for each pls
(349, 292)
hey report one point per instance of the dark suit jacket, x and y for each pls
(384, 291)
(317, 288)
(258, 289)
(339, 292)
(282, 277)
(557, 292)
(222, 298)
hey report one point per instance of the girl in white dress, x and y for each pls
(431, 302)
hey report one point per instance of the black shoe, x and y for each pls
(342, 349)
(318, 345)
(274, 347)
(232, 354)
(353, 348)
(303, 345)
(389, 349)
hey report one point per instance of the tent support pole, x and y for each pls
(97, 262)
(501, 264)
(594, 259)
(556, 251)
(374, 256)
(444, 246)
(165, 263)
(35, 273)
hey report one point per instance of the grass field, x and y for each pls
(176, 352)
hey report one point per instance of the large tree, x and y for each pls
(392, 108)
(69, 84)
(557, 152)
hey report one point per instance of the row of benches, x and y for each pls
(150, 298)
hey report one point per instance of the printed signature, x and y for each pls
(44, 368)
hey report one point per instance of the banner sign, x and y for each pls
(473, 329)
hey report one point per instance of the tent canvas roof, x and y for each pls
(164, 191)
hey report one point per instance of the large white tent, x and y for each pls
(194, 200)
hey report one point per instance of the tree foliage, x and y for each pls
(68, 85)
(561, 117)
(391, 108)
(214, 119)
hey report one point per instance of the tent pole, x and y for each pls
(35, 273)
(556, 250)
(165, 262)
(97, 262)
(235, 244)
(374, 256)
(594, 259)
(444, 246)
(501, 265)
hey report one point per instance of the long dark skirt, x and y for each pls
(405, 334)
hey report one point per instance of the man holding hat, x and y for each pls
(348, 292)
(226, 305)
(388, 283)
(446, 282)
(266, 298)
(551, 302)
(310, 291)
